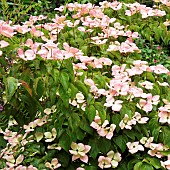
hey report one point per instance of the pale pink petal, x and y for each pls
(74, 145)
(84, 158)
(74, 157)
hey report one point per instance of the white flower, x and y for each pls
(134, 147)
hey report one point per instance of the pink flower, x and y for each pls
(6, 29)
(117, 105)
(35, 32)
(134, 147)
(110, 102)
(106, 131)
(53, 165)
(159, 69)
(116, 158)
(80, 97)
(50, 136)
(145, 105)
(30, 127)
(164, 117)
(146, 85)
(22, 29)
(96, 124)
(28, 55)
(79, 151)
(118, 26)
(142, 120)
(41, 121)
(146, 141)
(104, 162)
(127, 122)
(155, 149)
(115, 5)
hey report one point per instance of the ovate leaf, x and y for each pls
(146, 166)
(11, 86)
(138, 166)
(65, 141)
(90, 112)
(101, 111)
(64, 79)
(154, 162)
(121, 141)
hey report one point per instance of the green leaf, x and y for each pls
(155, 133)
(2, 142)
(116, 120)
(41, 166)
(64, 158)
(53, 95)
(90, 99)
(49, 67)
(91, 113)
(80, 134)
(165, 153)
(55, 74)
(155, 90)
(130, 133)
(149, 76)
(105, 145)
(43, 68)
(69, 66)
(3, 121)
(131, 163)
(74, 90)
(65, 141)
(3, 61)
(146, 166)
(102, 112)
(121, 141)
(138, 166)
(123, 111)
(95, 147)
(166, 136)
(154, 162)
(39, 87)
(81, 86)
(74, 121)
(11, 87)
(91, 168)
(64, 96)
(84, 125)
(64, 80)
(33, 149)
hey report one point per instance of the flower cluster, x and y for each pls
(79, 101)
(80, 65)
(103, 129)
(53, 165)
(127, 123)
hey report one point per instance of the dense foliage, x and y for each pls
(86, 88)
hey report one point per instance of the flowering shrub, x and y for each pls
(77, 94)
